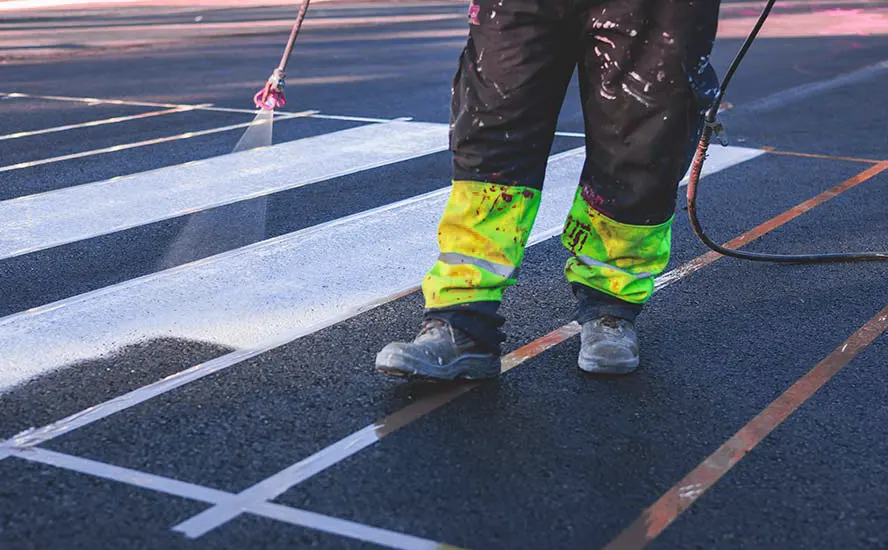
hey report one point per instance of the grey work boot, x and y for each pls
(608, 345)
(439, 352)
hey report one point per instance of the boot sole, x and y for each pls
(595, 367)
(467, 367)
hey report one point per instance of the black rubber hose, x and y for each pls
(711, 123)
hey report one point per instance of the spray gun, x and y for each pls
(271, 96)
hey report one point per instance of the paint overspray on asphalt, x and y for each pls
(231, 226)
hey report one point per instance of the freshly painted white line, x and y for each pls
(37, 222)
(200, 493)
(270, 292)
(113, 120)
(125, 146)
(37, 436)
(260, 292)
(798, 93)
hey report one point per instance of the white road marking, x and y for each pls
(37, 222)
(200, 493)
(571, 134)
(200, 107)
(183, 5)
(349, 118)
(271, 291)
(329, 524)
(12, 5)
(113, 120)
(131, 103)
(125, 146)
(582, 135)
(278, 484)
(721, 158)
(798, 93)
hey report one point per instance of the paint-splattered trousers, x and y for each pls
(645, 84)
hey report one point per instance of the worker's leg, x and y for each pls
(646, 83)
(507, 93)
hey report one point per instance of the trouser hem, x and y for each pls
(479, 320)
(592, 304)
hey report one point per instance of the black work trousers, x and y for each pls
(645, 83)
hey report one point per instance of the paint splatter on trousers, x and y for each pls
(645, 83)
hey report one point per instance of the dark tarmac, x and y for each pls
(544, 458)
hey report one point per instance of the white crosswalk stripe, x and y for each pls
(271, 290)
(37, 222)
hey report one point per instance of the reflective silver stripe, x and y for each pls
(595, 263)
(455, 258)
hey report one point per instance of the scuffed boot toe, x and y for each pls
(440, 352)
(608, 346)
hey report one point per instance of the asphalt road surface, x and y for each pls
(187, 334)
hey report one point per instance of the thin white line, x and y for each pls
(92, 123)
(342, 527)
(100, 101)
(202, 107)
(200, 493)
(355, 118)
(144, 480)
(112, 149)
(37, 222)
(123, 147)
(571, 134)
(793, 95)
(276, 485)
(36, 4)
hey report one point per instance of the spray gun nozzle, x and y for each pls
(271, 96)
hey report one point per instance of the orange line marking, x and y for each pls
(808, 205)
(775, 151)
(682, 495)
